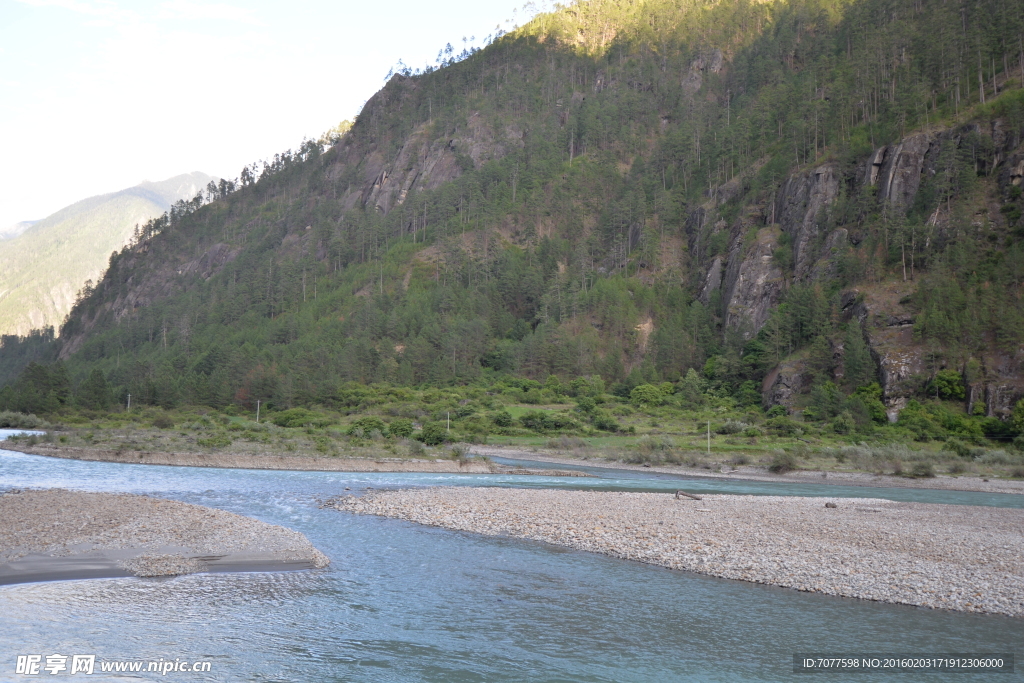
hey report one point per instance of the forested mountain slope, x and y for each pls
(794, 199)
(43, 267)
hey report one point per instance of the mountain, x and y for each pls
(46, 263)
(811, 204)
(15, 230)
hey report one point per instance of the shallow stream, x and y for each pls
(403, 602)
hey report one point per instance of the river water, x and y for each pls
(403, 602)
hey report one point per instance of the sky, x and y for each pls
(99, 95)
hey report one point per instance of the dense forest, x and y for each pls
(562, 210)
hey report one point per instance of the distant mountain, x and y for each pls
(811, 205)
(12, 231)
(44, 264)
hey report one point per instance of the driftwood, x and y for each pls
(681, 494)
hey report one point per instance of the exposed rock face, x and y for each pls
(712, 281)
(785, 383)
(423, 163)
(874, 167)
(754, 283)
(212, 261)
(889, 329)
(900, 363)
(710, 62)
(801, 208)
(903, 366)
(1013, 171)
(1004, 382)
(899, 176)
(802, 205)
(418, 160)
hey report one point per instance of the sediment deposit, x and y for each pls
(59, 534)
(944, 556)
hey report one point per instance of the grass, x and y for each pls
(664, 435)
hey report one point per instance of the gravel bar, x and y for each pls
(57, 534)
(752, 473)
(953, 557)
(251, 461)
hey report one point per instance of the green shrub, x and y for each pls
(647, 395)
(585, 404)
(959, 448)
(459, 453)
(871, 396)
(300, 417)
(922, 469)
(401, 428)
(13, 420)
(917, 420)
(748, 394)
(783, 462)
(543, 421)
(826, 401)
(533, 397)
(731, 427)
(502, 418)
(1017, 420)
(433, 434)
(996, 457)
(605, 422)
(218, 440)
(163, 422)
(994, 428)
(366, 426)
(777, 411)
(957, 468)
(650, 444)
(948, 384)
(844, 423)
(782, 426)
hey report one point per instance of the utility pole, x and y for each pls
(449, 421)
(709, 437)
(257, 412)
(129, 402)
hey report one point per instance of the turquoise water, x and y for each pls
(402, 602)
(632, 480)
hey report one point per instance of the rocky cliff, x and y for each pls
(892, 176)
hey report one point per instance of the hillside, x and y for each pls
(812, 204)
(13, 231)
(43, 266)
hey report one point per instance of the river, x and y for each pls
(403, 602)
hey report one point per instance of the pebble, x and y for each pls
(63, 523)
(954, 557)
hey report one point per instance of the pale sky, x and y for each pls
(99, 95)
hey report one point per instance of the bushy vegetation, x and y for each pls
(12, 420)
(553, 286)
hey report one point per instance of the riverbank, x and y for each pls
(748, 473)
(961, 558)
(264, 461)
(58, 534)
(251, 461)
